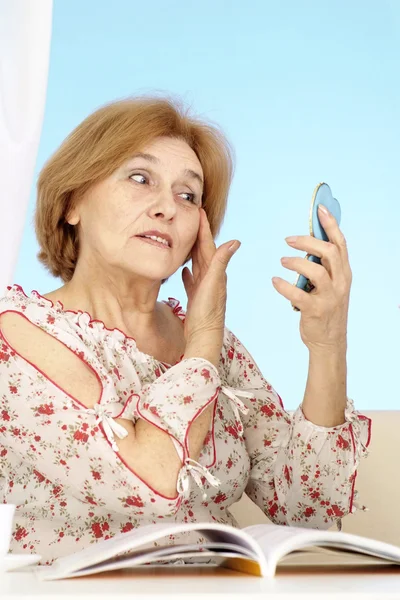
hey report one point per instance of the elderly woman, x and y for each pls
(118, 410)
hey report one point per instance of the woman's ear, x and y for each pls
(72, 218)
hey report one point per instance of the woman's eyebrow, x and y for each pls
(149, 157)
(194, 175)
(153, 159)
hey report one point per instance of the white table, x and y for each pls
(207, 584)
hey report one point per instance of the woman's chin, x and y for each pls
(152, 274)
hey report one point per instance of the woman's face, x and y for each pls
(158, 190)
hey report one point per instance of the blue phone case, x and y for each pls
(322, 195)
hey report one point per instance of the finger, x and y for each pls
(195, 262)
(188, 281)
(203, 249)
(316, 273)
(205, 240)
(326, 251)
(333, 231)
(298, 298)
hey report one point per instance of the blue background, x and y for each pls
(307, 91)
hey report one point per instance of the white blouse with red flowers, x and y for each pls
(59, 463)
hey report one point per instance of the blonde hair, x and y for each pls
(98, 146)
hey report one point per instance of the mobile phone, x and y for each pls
(321, 195)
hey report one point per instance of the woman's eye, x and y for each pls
(139, 177)
(189, 197)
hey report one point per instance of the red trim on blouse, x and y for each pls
(364, 418)
(118, 416)
(158, 427)
(44, 374)
(280, 400)
(173, 499)
(355, 473)
(176, 309)
(213, 436)
(190, 423)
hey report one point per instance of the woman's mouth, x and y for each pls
(155, 242)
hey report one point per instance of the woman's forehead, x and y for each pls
(163, 148)
(171, 152)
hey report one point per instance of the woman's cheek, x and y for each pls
(192, 229)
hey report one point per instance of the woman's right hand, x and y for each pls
(206, 292)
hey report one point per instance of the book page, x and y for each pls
(211, 553)
(277, 541)
(222, 536)
(328, 557)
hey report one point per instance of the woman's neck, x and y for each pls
(134, 311)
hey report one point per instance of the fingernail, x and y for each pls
(275, 280)
(323, 209)
(235, 246)
(291, 239)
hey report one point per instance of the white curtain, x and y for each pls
(25, 32)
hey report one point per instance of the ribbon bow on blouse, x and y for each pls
(196, 470)
(109, 425)
(237, 405)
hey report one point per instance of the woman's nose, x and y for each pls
(163, 205)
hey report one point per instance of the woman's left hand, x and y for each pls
(324, 310)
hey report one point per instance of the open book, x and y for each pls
(256, 550)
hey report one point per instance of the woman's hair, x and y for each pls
(101, 144)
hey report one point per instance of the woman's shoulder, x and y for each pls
(38, 309)
(34, 308)
(14, 298)
(176, 307)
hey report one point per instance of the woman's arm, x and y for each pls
(325, 396)
(46, 389)
(324, 316)
(300, 473)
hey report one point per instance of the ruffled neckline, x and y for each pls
(84, 319)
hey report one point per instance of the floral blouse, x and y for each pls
(60, 466)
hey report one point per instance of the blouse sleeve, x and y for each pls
(173, 402)
(72, 448)
(301, 473)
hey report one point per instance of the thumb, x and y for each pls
(224, 254)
